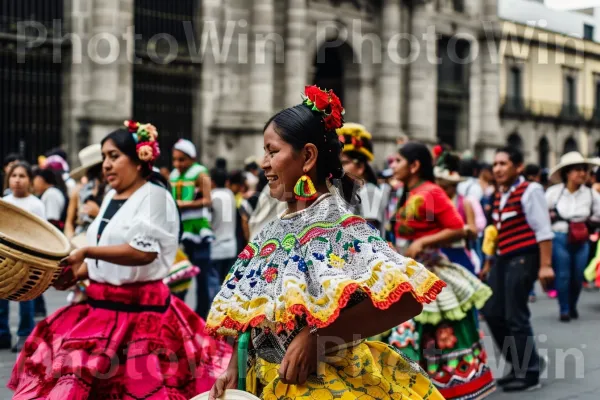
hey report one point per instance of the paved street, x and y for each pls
(573, 351)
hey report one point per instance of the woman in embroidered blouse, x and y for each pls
(131, 338)
(302, 283)
(571, 202)
(444, 338)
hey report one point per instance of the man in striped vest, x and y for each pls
(524, 254)
(191, 186)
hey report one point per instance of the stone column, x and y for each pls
(475, 99)
(110, 84)
(296, 52)
(390, 78)
(260, 102)
(206, 106)
(490, 135)
(422, 90)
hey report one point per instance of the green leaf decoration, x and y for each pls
(338, 237)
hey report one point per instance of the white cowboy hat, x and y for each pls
(88, 157)
(446, 175)
(570, 158)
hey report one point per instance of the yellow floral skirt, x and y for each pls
(369, 370)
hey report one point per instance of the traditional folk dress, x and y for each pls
(444, 338)
(196, 222)
(131, 338)
(457, 252)
(304, 269)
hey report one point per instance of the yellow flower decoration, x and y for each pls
(336, 261)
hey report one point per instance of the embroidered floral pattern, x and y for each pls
(268, 248)
(336, 261)
(314, 273)
(270, 274)
(445, 338)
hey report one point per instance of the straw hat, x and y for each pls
(570, 158)
(447, 175)
(88, 157)
(356, 139)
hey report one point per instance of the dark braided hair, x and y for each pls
(299, 126)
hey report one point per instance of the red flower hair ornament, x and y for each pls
(327, 103)
(145, 136)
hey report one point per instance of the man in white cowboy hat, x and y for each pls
(523, 254)
(572, 205)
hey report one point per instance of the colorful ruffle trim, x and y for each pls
(230, 327)
(477, 300)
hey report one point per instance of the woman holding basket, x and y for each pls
(131, 338)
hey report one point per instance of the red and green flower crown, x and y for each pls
(327, 103)
(145, 136)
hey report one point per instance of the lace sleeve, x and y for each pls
(145, 243)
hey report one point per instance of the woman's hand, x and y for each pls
(75, 259)
(470, 232)
(414, 249)
(91, 208)
(301, 358)
(485, 271)
(227, 380)
(66, 279)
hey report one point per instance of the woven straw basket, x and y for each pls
(30, 252)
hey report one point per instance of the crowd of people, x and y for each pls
(288, 251)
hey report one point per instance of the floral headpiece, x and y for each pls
(327, 103)
(145, 136)
(356, 138)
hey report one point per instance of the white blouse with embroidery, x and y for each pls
(148, 222)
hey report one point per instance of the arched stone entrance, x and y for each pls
(543, 152)
(334, 68)
(570, 145)
(514, 140)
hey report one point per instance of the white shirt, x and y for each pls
(535, 209)
(579, 206)
(266, 210)
(223, 224)
(30, 204)
(471, 188)
(54, 203)
(149, 222)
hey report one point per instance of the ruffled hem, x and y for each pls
(229, 326)
(80, 349)
(477, 300)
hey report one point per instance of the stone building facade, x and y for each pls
(215, 70)
(549, 81)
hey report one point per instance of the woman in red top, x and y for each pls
(444, 338)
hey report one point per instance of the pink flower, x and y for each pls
(145, 152)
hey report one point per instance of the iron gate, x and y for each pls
(31, 87)
(164, 94)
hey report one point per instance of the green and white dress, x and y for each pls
(196, 222)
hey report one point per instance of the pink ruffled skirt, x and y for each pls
(126, 342)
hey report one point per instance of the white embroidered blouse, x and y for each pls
(148, 221)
